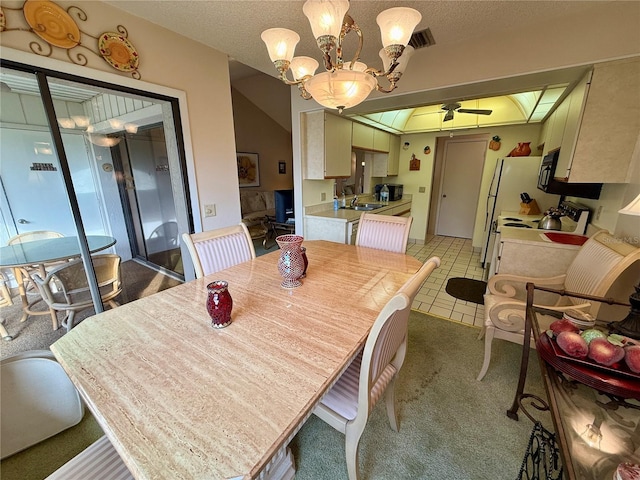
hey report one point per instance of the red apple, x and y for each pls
(632, 357)
(573, 344)
(604, 352)
(563, 325)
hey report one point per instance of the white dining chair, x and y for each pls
(218, 249)
(99, 461)
(384, 232)
(600, 261)
(346, 407)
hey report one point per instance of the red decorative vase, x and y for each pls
(219, 303)
(305, 260)
(522, 150)
(291, 262)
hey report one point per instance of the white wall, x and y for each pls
(172, 65)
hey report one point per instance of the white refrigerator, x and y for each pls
(511, 177)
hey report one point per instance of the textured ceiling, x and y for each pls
(234, 27)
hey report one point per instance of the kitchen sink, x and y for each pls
(367, 207)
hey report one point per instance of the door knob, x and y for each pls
(444, 196)
(23, 221)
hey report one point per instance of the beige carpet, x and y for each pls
(37, 331)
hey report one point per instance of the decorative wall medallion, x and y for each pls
(118, 52)
(51, 23)
(59, 27)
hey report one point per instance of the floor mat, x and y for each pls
(467, 289)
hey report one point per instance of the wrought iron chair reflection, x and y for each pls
(74, 295)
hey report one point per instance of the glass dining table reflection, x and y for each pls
(175, 395)
(40, 253)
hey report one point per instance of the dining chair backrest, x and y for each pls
(347, 406)
(32, 236)
(384, 232)
(386, 344)
(71, 279)
(216, 250)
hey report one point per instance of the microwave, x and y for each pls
(548, 183)
(395, 191)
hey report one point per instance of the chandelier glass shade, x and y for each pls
(344, 84)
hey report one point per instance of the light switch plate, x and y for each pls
(210, 210)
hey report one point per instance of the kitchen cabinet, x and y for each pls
(557, 124)
(326, 146)
(362, 136)
(394, 155)
(380, 140)
(600, 145)
(341, 226)
(386, 164)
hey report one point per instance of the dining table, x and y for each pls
(180, 399)
(40, 253)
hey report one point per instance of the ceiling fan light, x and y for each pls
(397, 24)
(81, 121)
(341, 88)
(303, 66)
(66, 123)
(281, 43)
(325, 16)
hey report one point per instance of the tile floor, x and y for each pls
(457, 260)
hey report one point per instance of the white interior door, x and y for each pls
(460, 188)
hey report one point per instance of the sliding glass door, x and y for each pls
(82, 158)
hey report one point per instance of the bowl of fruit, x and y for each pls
(593, 356)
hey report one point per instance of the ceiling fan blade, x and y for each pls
(477, 112)
(448, 116)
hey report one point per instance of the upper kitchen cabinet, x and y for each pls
(386, 164)
(369, 138)
(381, 140)
(326, 146)
(362, 136)
(598, 146)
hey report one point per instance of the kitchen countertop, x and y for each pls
(529, 236)
(349, 215)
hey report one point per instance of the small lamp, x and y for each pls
(630, 325)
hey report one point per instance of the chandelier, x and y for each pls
(343, 85)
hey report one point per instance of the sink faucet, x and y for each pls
(354, 201)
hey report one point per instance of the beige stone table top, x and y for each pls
(179, 399)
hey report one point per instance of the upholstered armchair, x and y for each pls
(597, 265)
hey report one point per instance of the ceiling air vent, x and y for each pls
(422, 39)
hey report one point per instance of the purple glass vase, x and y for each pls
(219, 303)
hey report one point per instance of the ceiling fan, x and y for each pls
(455, 107)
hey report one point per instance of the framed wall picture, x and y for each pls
(248, 169)
(282, 168)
